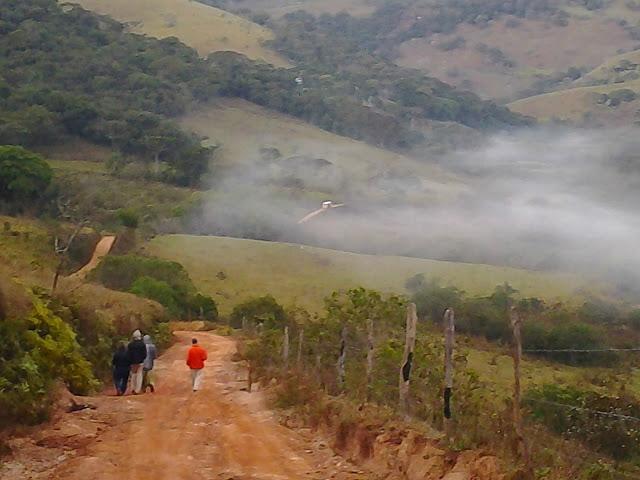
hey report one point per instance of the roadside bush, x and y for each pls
(262, 310)
(604, 422)
(157, 290)
(128, 218)
(203, 307)
(36, 350)
(120, 272)
(165, 282)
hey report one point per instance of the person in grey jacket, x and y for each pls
(147, 379)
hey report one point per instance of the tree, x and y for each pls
(24, 175)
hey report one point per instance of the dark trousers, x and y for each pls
(120, 380)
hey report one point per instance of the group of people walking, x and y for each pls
(133, 364)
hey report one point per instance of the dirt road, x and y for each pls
(102, 249)
(220, 432)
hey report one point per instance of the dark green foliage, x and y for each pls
(119, 272)
(203, 306)
(596, 419)
(262, 310)
(622, 95)
(35, 351)
(157, 290)
(166, 282)
(76, 73)
(128, 217)
(24, 176)
(431, 298)
(341, 54)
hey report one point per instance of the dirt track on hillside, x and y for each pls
(102, 249)
(220, 432)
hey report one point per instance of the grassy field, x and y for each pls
(242, 129)
(573, 104)
(204, 28)
(304, 275)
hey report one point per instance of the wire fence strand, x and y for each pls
(589, 410)
(580, 350)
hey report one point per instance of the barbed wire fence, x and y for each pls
(517, 353)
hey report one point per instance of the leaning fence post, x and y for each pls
(285, 348)
(300, 342)
(342, 358)
(449, 332)
(516, 323)
(370, 352)
(407, 358)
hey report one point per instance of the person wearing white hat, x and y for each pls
(137, 351)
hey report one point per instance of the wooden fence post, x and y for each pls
(407, 358)
(300, 342)
(285, 347)
(370, 352)
(516, 323)
(342, 358)
(449, 332)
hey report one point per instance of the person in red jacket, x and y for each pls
(195, 361)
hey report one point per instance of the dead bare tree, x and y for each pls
(62, 246)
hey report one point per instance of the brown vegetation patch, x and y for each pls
(535, 46)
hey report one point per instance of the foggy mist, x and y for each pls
(548, 199)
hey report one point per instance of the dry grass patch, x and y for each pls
(207, 29)
(576, 103)
(534, 46)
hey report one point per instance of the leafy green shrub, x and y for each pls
(120, 272)
(35, 351)
(607, 423)
(165, 282)
(128, 217)
(203, 307)
(157, 290)
(24, 175)
(261, 310)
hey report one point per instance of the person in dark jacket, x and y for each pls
(137, 353)
(120, 364)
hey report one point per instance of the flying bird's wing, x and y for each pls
(308, 217)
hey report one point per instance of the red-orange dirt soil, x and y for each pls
(219, 432)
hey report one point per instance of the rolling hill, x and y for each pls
(243, 130)
(531, 49)
(582, 104)
(207, 29)
(233, 270)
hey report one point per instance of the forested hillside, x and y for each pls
(66, 71)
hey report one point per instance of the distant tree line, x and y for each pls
(66, 71)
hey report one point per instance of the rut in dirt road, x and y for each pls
(219, 432)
